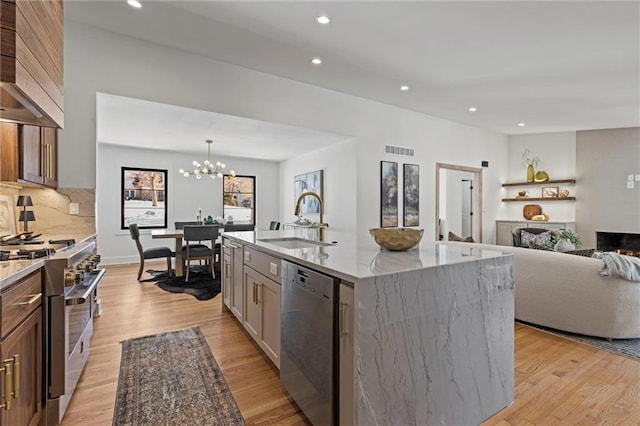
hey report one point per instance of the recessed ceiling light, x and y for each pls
(404, 88)
(323, 19)
(473, 109)
(134, 3)
(316, 61)
(521, 124)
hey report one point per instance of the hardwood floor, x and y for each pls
(557, 381)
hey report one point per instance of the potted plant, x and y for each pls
(565, 240)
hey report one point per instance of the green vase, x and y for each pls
(530, 173)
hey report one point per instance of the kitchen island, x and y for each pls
(427, 337)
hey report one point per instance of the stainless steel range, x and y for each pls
(71, 280)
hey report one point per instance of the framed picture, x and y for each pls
(239, 198)
(388, 194)
(550, 192)
(144, 198)
(411, 195)
(312, 182)
(7, 216)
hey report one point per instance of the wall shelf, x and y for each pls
(540, 199)
(549, 182)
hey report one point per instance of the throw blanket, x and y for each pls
(627, 267)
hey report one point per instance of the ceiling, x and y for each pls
(555, 66)
(152, 125)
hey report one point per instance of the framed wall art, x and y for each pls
(550, 192)
(411, 195)
(388, 194)
(7, 216)
(144, 198)
(311, 181)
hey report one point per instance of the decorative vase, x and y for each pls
(530, 173)
(564, 245)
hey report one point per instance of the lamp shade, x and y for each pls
(27, 215)
(24, 200)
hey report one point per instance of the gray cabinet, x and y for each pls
(232, 278)
(504, 228)
(346, 333)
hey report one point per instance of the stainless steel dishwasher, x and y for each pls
(308, 352)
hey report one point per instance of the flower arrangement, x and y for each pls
(527, 160)
(565, 234)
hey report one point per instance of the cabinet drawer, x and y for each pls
(20, 300)
(267, 265)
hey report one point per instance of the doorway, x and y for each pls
(458, 201)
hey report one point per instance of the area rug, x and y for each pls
(626, 347)
(201, 285)
(172, 379)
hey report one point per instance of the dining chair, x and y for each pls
(274, 226)
(181, 224)
(199, 251)
(151, 253)
(233, 227)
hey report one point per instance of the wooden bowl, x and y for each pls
(396, 239)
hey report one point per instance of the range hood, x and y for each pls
(15, 107)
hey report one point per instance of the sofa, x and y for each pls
(566, 292)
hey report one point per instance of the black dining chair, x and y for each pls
(236, 227)
(274, 226)
(195, 250)
(152, 253)
(181, 225)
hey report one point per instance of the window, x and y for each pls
(239, 198)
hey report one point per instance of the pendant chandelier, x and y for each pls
(208, 168)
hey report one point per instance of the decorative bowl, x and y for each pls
(396, 238)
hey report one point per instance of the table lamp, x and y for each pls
(24, 201)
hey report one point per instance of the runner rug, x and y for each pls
(172, 379)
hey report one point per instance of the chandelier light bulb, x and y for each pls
(232, 173)
(213, 169)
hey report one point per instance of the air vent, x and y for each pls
(398, 150)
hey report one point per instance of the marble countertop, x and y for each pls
(351, 260)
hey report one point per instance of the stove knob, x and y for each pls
(79, 277)
(96, 258)
(69, 278)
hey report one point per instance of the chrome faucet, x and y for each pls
(321, 225)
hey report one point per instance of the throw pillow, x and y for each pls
(527, 239)
(454, 237)
(583, 252)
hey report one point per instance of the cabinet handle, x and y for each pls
(258, 287)
(34, 298)
(8, 383)
(16, 375)
(343, 313)
(254, 292)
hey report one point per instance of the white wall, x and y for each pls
(185, 195)
(100, 61)
(338, 163)
(604, 160)
(557, 154)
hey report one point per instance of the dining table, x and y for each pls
(178, 234)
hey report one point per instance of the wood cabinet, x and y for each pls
(21, 352)
(29, 154)
(504, 228)
(226, 280)
(346, 371)
(31, 62)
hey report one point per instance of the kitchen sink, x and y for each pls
(293, 242)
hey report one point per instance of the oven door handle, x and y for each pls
(79, 300)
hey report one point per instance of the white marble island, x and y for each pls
(432, 328)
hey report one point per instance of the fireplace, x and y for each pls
(621, 242)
